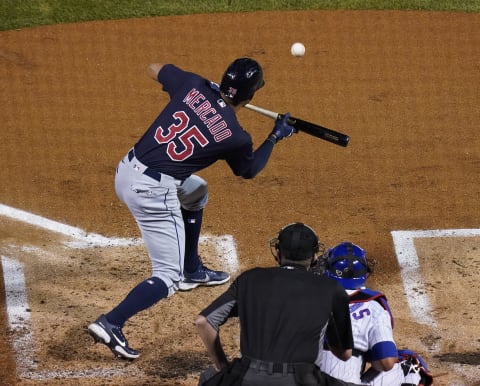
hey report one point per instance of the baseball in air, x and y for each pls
(297, 49)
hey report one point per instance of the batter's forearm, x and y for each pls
(260, 160)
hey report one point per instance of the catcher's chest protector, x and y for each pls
(366, 295)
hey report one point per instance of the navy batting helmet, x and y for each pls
(241, 80)
(347, 263)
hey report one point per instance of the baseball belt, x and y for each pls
(271, 367)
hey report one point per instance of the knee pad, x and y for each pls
(193, 193)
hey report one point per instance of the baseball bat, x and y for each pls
(318, 131)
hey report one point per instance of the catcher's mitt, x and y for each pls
(414, 368)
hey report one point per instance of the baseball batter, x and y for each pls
(156, 181)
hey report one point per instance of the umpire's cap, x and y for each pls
(297, 241)
(242, 78)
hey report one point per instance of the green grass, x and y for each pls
(16, 14)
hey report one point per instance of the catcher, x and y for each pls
(372, 325)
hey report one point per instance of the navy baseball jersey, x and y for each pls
(195, 130)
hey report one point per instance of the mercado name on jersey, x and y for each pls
(208, 114)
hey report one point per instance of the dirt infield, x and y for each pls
(404, 85)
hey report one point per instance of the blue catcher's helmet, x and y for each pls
(347, 263)
(242, 78)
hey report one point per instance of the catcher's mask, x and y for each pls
(296, 241)
(242, 78)
(347, 263)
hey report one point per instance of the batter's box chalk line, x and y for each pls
(20, 324)
(81, 239)
(225, 245)
(408, 261)
(18, 310)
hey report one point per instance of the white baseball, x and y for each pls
(297, 49)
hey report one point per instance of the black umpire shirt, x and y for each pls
(284, 313)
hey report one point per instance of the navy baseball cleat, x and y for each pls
(202, 276)
(112, 336)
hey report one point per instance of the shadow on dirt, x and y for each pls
(466, 358)
(177, 365)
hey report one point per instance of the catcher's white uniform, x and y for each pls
(372, 326)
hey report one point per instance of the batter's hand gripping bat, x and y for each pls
(307, 127)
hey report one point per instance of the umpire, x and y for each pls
(281, 321)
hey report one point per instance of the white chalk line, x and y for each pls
(413, 282)
(226, 248)
(19, 320)
(18, 310)
(81, 238)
